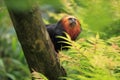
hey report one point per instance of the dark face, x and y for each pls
(72, 22)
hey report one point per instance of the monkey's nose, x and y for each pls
(72, 21)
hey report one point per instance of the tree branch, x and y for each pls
(34, 39)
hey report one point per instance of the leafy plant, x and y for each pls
(92, 59)
(89, 58)
(38, 76)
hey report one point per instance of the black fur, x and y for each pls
(55, 30)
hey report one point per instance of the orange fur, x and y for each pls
(72, 31)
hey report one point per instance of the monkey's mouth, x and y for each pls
(72, 24)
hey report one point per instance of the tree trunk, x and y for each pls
(34, 39)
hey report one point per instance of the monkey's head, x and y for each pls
(71, 25)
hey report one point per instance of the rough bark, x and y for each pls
(34, 39)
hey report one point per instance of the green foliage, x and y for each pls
(12, 60)
(112, 29)
(22, 6)
(38, 76)
(92, 59)
(95, 15)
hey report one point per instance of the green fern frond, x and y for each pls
(38, 76)
(93, 58)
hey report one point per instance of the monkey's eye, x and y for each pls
(73, 19)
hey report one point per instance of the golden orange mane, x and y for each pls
(72, 31)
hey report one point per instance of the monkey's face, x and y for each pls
(70, 21)
(71, 25)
